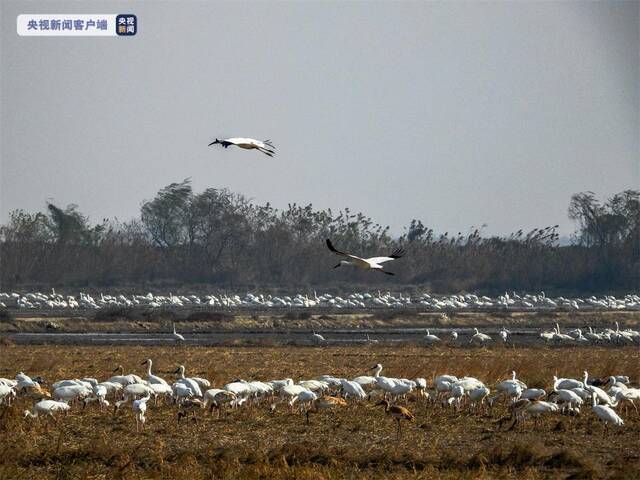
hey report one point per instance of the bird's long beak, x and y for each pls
(143, 363)
(337, 265)
(116, 369)
(177, 370)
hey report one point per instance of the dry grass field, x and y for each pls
(356, 442)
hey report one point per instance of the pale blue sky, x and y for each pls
(458, 114)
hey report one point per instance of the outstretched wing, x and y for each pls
(334, 249)
(397, 253)
(270, 153)
(357, 260)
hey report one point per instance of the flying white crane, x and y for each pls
(373, 263)
(265, 146)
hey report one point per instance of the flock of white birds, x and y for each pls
(575, 336)
(424, 301)
(568, 396)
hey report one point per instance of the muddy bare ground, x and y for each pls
(356, 442)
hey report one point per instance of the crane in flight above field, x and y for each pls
(265, 146)
(373, 263)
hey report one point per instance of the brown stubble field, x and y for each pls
(356, 442)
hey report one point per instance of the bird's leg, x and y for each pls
(307, 417)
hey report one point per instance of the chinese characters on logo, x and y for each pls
(67, 24)
(126, 24)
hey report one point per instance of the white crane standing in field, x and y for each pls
(430, 339)
(151, 378)
(605, 413)
(373, 263)
(176, 336)
(504, 333)
(123, 379)
(46, 407)
(480, 338)
(139, 409)
(265, 146)
(317, 338)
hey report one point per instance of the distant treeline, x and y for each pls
(221, 239)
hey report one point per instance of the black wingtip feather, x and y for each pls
(334, 249)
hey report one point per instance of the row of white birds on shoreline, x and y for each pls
(356, 300)
(574, 336)
(325, 392)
